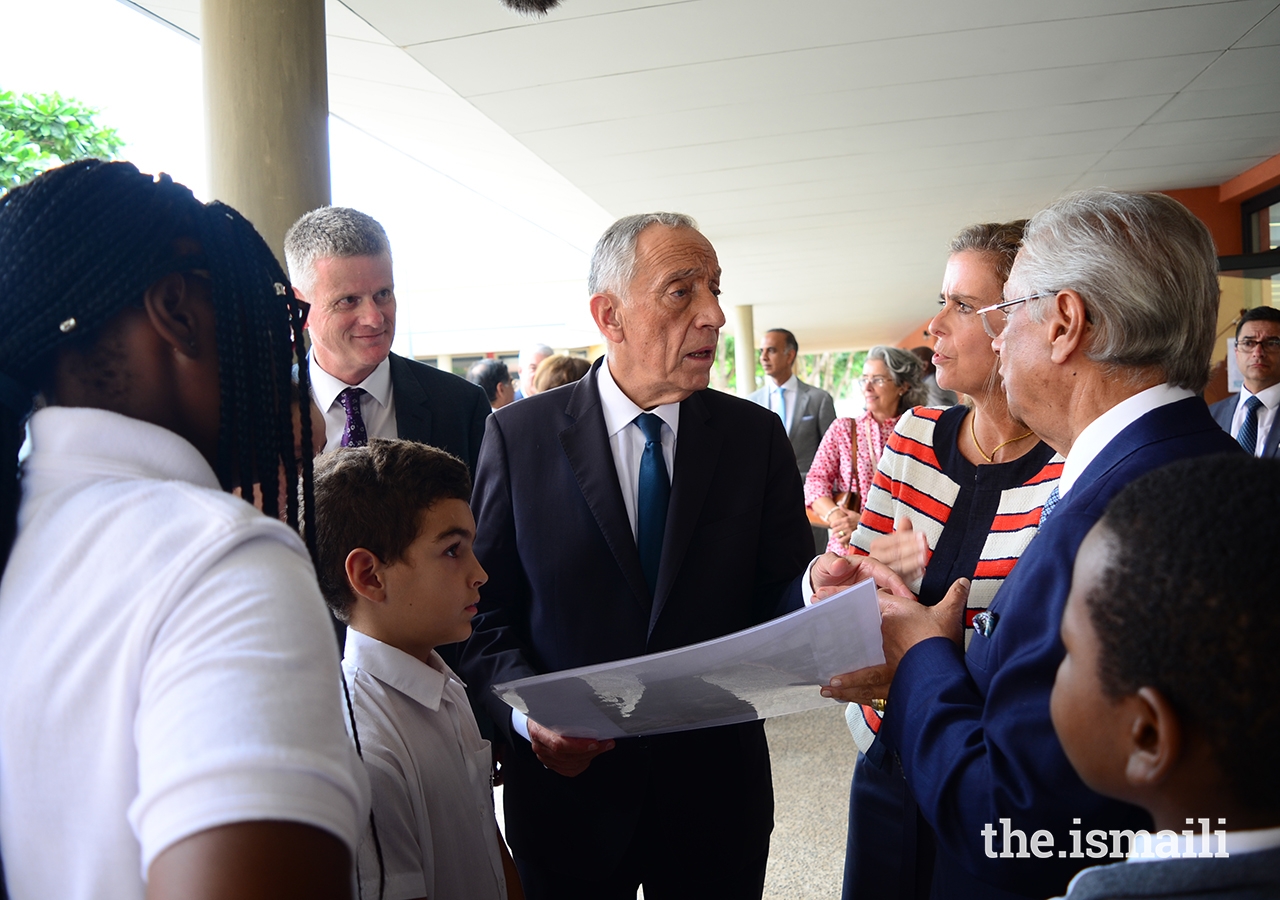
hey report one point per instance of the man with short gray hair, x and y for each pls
(604, 541)
(1104, 338)
(340, 262)
(530, 358)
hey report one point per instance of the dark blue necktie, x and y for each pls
(1050, 502)
(655, 494)
(1248, 436)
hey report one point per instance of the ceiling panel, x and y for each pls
(829, 148)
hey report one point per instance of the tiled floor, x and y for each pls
(813, 758)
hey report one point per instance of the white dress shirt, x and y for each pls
(377, 406)
(429, 770)
(1103, 430)
(626, 440)
(787, 391)
(1270, 398)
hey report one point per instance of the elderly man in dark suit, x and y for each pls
(1250, 416)
(1104, 339)
(340, 262)
(631, 512)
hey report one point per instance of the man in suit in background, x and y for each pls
(340, 262)
(1104, 339)
(1250, 415)
(631, 513)
(806, 411)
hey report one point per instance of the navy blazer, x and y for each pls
(438, 408)
(1225, 410)
(972, 730)
(566, 589)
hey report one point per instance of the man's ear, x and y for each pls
(366, 575)
(1070, 325)
(180, 315)
(1155, 739)
(606, 310)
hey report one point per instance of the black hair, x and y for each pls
(375, 497)
(488, 374)
(82, 242)
(788, 336)
(1258, 314)
(1190, 605)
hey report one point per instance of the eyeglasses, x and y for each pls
(873, 381)
(993, 324)
(1248, 345)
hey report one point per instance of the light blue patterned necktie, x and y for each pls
(1248, 436)
(1050, 502)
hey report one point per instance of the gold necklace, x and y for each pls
(974, 434)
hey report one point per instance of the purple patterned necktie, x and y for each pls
(353, 435)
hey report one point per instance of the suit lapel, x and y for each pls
(802, 404)
(697, 451)
(413, 408)
(586, 446)
(1273, 439)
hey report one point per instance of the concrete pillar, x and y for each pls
(444, 363)
(266, 101)
(744, 349)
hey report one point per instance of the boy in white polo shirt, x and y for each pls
(394, 535)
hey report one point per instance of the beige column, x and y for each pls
(444, 363)
(744, 349)
(266, 109)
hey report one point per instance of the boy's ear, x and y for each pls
(1155, 739)
(365, 575)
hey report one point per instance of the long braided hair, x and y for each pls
(84, 241)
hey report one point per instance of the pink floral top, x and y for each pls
(833, 465)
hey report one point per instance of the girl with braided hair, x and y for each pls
(172, 724)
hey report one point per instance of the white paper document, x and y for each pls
(769, 670)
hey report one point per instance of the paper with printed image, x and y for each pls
(769, 670)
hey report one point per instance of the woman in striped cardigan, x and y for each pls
(957, 494)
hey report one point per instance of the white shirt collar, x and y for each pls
(1269, 396)
(792, 384)
(392, 666)
(619, 410)
(1104, 429)
(326, 388)
(120, 446)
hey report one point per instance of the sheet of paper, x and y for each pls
(770, 670)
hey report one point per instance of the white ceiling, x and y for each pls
(829, 148)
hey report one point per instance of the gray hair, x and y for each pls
(330, 232)
(1147, 272)
(528, 353)
(613, 262)
(907, 371)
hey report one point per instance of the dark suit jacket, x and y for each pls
(438, 408)
(566, 589)
(972, 729)
(813, 415)
(1225, 410)
(1241, 876)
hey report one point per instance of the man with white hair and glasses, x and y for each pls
(1103, 344)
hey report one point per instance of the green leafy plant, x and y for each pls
(40, 131)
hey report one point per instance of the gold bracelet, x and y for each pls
(878, 706)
